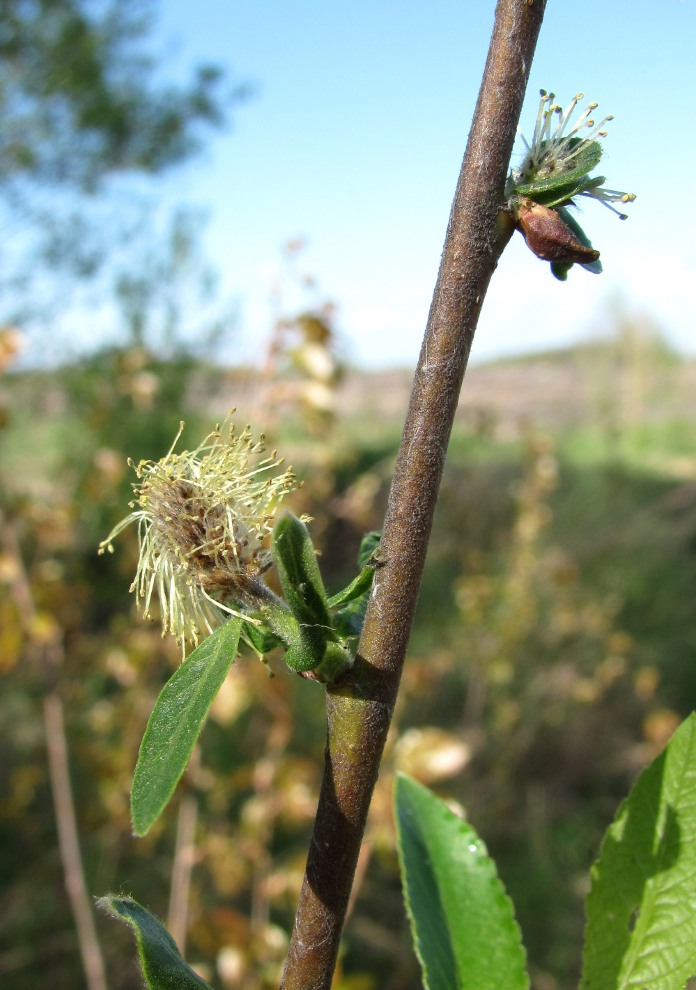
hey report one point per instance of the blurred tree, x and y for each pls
(85, 121)
(84, 116)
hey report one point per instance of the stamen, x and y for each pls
(566, 115)
(202, 520)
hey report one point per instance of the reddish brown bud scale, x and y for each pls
(548, 236)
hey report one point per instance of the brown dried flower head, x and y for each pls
(203, 520)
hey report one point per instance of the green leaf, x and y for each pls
(641, 924)
(560, 270)
(261, 640)
(349, 621)
(160, 960)
(356, 589)
(304, 593)
(278, 625)
(559, 194)
(584, 162)
(368, 548)
(176, 722)
(296, 560)
(463, 924)
(307, 652)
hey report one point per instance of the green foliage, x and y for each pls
(641, 929)
(183, 704)
(553, 175)
(298, 570)
(351, 602)
(305, 595)
(318, 641)
(80, 102)
(176, 722)
(557, 189)
(557, 690)
(160, 960)
(86, 116)
(640, 925)
(363, 582)
(553, 648)
(462, 921)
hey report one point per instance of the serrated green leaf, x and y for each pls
(641, 924)
(298, 570)
(584, 162)
(462, 921)
(176, 722)
(160, 960)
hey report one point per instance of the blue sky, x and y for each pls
(354, 139)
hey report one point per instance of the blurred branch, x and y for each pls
(69, 843)
(50, 653)
(359, 709)
(184, 856)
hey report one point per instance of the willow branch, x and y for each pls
(359, 710)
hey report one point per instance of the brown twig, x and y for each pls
(359, 710)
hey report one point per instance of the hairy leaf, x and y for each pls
(295, 558)
(584, 162)
(160, 960)
(357, 588)
(176, 722)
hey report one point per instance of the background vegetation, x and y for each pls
(553, 650)
(551, 659)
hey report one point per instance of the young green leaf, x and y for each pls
(176, 722)
(348, 622)
(368, 547)
(357, 588)
(307, 652)
(298, 570)
(585, 155)
(352, 600)
(327, 660)
(160, 960)
(641, 925)
(261, 640)
(554, 174)
(463, 924)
